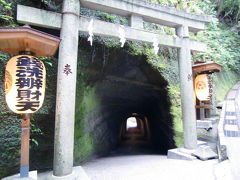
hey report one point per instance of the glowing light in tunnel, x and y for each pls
(131, 123)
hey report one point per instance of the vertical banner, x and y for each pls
(25, 81)
(210, 85)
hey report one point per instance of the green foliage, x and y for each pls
(10, 144)
(104, 16)
(6, 13)
(159, 28)
(229, 11)
(186, 5)
(9, 130)
(8, 9)
(223, 46)
(223, 41)
(227, 79)
(86, 104)
(174, 91)
(3, 106)
(207, 7)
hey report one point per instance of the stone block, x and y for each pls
(177, 154)
(222, 152)
(204, 124)
(201, 143)
(214, 119)
(204, 153)
(78, 173)
(32, 176)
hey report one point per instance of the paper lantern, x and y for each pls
(202, 87)
(25, 81)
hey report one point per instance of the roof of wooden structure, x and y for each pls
(207, 67)
(24, 38)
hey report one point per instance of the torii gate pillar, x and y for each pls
(187, 92)
(66, 85)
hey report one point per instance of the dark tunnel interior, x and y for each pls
(127, 85)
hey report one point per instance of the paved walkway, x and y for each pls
(229, 130)
(149, 167)
(232, 112)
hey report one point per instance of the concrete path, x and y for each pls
(229, 131)
(232, 112)
(149, 167)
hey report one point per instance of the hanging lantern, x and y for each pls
(25, 78)
(202, 87)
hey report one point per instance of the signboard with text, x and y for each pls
(25, 79)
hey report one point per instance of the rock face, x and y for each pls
(114, 87)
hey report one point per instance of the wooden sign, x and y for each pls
(202, 87)
(25, 81)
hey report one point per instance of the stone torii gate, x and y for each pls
(71, 23)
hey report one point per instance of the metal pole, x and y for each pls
(25, 134)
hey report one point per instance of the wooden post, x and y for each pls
(25, 134)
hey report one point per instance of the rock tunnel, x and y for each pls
(121, 86)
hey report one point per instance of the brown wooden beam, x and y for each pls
(208, 67)
(203, 106)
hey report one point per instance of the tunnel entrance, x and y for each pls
(122, 90)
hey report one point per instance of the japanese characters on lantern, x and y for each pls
(25, 84)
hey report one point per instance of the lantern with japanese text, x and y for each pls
(204, 101)
(25, 78)
(202, 87)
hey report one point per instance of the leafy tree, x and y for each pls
(6, 13)
(229, 11)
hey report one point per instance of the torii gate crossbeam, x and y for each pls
(52, 20)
